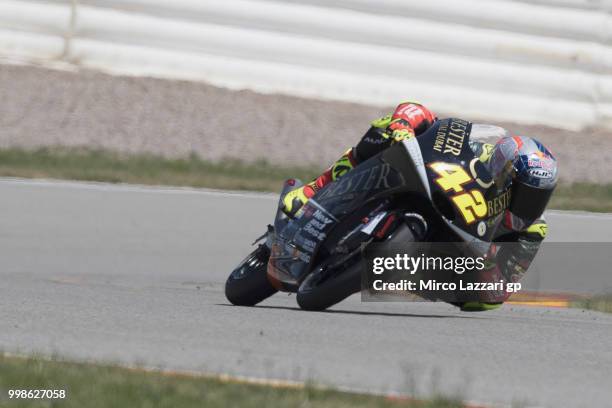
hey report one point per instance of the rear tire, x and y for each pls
(318, 292)
(248, 284)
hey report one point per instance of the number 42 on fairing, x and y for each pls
(471, 204)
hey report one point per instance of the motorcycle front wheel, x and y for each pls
(248, 284)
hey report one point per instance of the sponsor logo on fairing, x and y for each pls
(499, 204)
(451, 136)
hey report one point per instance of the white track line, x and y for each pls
(133, 188)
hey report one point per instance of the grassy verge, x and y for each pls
(583, 196)
(602, 303)
(92, 386)
(99, 165)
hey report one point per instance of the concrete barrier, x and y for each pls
(548, 63)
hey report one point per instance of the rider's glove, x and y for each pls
(413, 116)
(400, 130)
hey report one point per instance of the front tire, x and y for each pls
(248, 284)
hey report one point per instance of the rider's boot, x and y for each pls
(408, 120)
(295, 199)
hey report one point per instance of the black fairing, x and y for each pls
(448, 142)
(340, 205)
(396, 180)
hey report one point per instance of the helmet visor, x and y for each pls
(528, 202)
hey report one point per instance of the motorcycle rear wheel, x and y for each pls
(318, 292)
(321, 290)
(248, 284)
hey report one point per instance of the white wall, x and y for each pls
(544, 61)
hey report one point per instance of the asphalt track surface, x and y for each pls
(135, 275)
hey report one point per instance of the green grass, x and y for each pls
(100, 165)
(583, 196)
(602, 303)
(92, 386)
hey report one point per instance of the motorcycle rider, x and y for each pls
(519, 164)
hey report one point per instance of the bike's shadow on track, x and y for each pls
(355, 312)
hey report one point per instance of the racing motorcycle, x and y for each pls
(426, 189)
